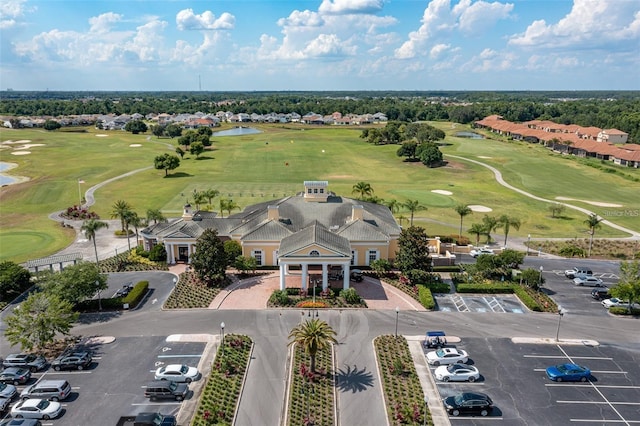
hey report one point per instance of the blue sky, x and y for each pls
(221, 45)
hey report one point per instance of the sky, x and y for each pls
(282, 45)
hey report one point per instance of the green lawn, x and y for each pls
(273, 164)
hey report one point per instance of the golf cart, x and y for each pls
(354, 275)
(434, 339)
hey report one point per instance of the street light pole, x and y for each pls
(222, 332)
(540, 277)
(99, 296)
(397, 313)
(528, 243)
(560, 315)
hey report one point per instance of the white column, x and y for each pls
(345, 279)
(305, 276)
(325, 277)
(189, 253)
(286, 269)
(282, 276)
(169, 249)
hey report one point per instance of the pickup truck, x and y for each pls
(147, 419)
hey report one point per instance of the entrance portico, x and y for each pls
(305, 263)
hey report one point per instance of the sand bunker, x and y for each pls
(29, 145)
(482, 156)
(481, 209)
(101, 135)
(21, 153)
(23, 141)
(442, 191)
(593, 203)
(135, 145)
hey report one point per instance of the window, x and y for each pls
(373, 255)
(315, 190)
(314, 253)
(322, 190)
(257, 255)
(309, 191)
(354, 257)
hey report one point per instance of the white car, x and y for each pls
(177, 373)
(457, 373)
(477, 252)
(589, 282)
(447, 356)
(614, 301)
(36, 409)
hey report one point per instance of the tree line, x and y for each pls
(620, 110)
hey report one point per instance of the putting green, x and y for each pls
(24, 244)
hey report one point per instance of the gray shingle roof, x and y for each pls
(315, 234)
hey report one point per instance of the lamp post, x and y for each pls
(99, 296)
(540, 276)
(222, 332)
(175, 281)
(560, 315)
(528, 243)
(426, 409)
(397, 313)
(80, 181)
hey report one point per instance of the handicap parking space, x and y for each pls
(513, 375)
(502, 303)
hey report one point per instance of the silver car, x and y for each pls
(588, 282)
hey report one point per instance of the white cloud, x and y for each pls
(305, 18)
(589, 24)
(187, 20)
(343, 7)
(11, 13)
(328, 45)
(104, 23)
(438, 50)
(148, 41)
(477, 17)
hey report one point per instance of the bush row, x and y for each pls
(115, 303)
(426, 297)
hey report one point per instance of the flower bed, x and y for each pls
(403, 393)
(312, 397)
(219, 398)
(293, 297)
(189, 292)
(130, 261)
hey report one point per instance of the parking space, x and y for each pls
(513, 375)
(113, 385)
(503, 303)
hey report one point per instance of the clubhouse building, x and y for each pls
(315, 230)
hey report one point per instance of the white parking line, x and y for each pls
(588, 386)
(603, 421)
(179, 356)
(57, 373)
(598, 402)
(157, 403)
(565, 356)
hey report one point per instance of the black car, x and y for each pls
(72, 361)
(468, 403)
(15, 375)
(21, 422)
(600, 293)
(126, 289)
(165, 389)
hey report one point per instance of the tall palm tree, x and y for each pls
(119, 210)
(210, 194)
(90, 227)
(198, 198)
(506, 222)
(362, 188)
(393, 205)
(401, 218)
(462, 210)
(477, 229)
(593, 222)
(413, 206)
(133, 219)
(155, 215)
(313, 335)
(228, 205)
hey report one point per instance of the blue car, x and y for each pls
(568, 373)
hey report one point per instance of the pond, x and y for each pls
(237, 131)
(4, 179)
(469, 135)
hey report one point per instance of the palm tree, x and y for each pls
(462, 210)
(490, 224)
(136, 221)
(413, 206)
(198, 198)
(593, 222)
(155, 215)
(401, 217)
(477, 229)
(505, 222)
(210, 194)
(228, 205)
(362, 188)
(119, 210)
(90, 227)
(393, 205)
(313, 335)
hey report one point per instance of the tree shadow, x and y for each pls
(354, 380)
(98, 317)
(177, 175)
(204, 157)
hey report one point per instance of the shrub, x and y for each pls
(426, 298)
(280, 297)
(418, 276)
(78, 213)
(158, 253)
(136, 294)
(351, 296)
(622, 310)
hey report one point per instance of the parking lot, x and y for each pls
(502, 303)
(513, 375)
(113, 386)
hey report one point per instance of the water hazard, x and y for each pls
(237, 131)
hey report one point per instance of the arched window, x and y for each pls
(314, 253)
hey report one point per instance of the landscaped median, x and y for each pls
(220, 397)
(403, 394)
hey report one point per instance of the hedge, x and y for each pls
(136, 294)
(113, 304)
(621, 310)
(425, 296)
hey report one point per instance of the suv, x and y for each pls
(30, 361)
(600, 293)
(468, 403)
(578, 272)
(53, 390)
(72, 360)
(161, 389)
